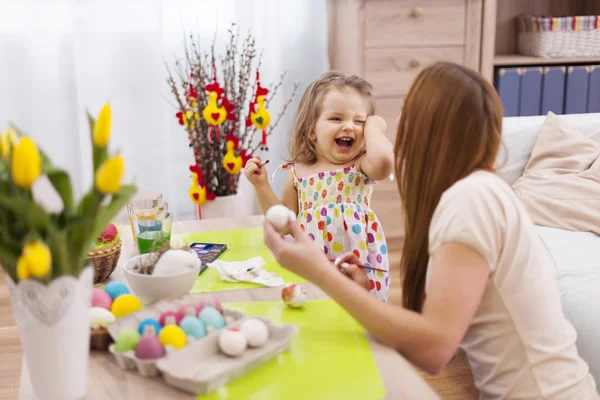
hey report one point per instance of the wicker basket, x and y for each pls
(100, 339)
(577, 36)
(105, 261)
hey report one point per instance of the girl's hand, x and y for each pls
(375, 122)
(348, 263)
(254, 172)
(302, 256)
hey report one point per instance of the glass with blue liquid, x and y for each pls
(153, 234)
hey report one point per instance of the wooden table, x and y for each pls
(107, 381)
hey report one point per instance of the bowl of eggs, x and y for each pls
(155, 276)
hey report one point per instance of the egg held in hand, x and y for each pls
(280, 216)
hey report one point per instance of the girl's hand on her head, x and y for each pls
(301, 256)
(254, 172)
(375, 122)
(348, 263)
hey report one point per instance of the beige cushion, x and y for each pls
(560, 186)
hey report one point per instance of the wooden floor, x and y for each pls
(455, 382)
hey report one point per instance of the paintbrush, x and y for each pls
(265, 163)
(363, 266)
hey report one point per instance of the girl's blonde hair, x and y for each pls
(451, 125)
(303, 149)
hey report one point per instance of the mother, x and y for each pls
(474, 271)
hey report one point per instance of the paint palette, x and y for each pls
(207, 252)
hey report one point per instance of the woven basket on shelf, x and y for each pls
(105, 261)
(577, 36)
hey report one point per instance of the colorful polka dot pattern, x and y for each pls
(334, 210)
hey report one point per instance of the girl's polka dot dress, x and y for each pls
(333, 207)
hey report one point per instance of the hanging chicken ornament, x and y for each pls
(258, 115)
(190, 117)
(218, 108)
(198, 191)
(231, 162)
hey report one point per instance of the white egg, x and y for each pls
(279, 215)
(101, 317)
(256, 332)
(232, 342)
(175, 262)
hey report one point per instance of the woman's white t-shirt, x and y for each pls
(519, 344)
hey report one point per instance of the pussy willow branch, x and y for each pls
(285, 107)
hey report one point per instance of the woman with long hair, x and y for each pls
(474, 272)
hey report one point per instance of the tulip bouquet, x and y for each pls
(42, 244)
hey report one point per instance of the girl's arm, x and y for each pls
(430, 339)
(267, 197)
(378, 162)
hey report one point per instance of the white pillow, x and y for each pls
(577, 259)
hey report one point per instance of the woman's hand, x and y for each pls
(302, 256)
(348, 264)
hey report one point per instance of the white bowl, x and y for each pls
(151, 288)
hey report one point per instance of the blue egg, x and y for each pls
(115, 289)
(192, 326)
(210, 316)
(149, 322)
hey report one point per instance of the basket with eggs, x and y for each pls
(105, 253)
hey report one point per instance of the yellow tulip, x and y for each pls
(8, 139)
(109, 174)
(35, 260)
(101, 133)
(26, 163)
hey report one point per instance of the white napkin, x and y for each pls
(247, 271)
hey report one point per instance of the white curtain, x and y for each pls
(59, 58)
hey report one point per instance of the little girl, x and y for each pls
(339, 151)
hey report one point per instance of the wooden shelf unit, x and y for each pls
(499, 31)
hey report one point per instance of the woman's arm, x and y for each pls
(378, 161)
(429, 340)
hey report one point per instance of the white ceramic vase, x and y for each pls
(237, 205)
(54, 328)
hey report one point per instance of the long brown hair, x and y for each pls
(302, 149)
(450, 126)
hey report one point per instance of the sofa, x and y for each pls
(576, 254)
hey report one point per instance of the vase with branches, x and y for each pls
(223, 110)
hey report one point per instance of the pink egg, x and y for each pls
(168, 317)
(101, 299)
(185, 310)
(149, 348)
(211, 301)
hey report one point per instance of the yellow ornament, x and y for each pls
(109, 174)
(261, 118)
(26, 163)
(212, 113)
(125, 304)
(101, 133)
(35, 260)
(172, 335)
(231, 162)
(8, 140)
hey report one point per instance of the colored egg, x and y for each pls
(101, 299)
(172, 335)
(192, 326)
(209, 300)
(169, 318)
(149, 348)
(185, 310)
(212, 317)
(124, 305)
(127, 340)
(116, 289)
(149, 322)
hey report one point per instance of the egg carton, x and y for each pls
(201, 367)
(147, 368)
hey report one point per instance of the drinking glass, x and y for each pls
(153, 234)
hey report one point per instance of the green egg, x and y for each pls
(127, 340)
